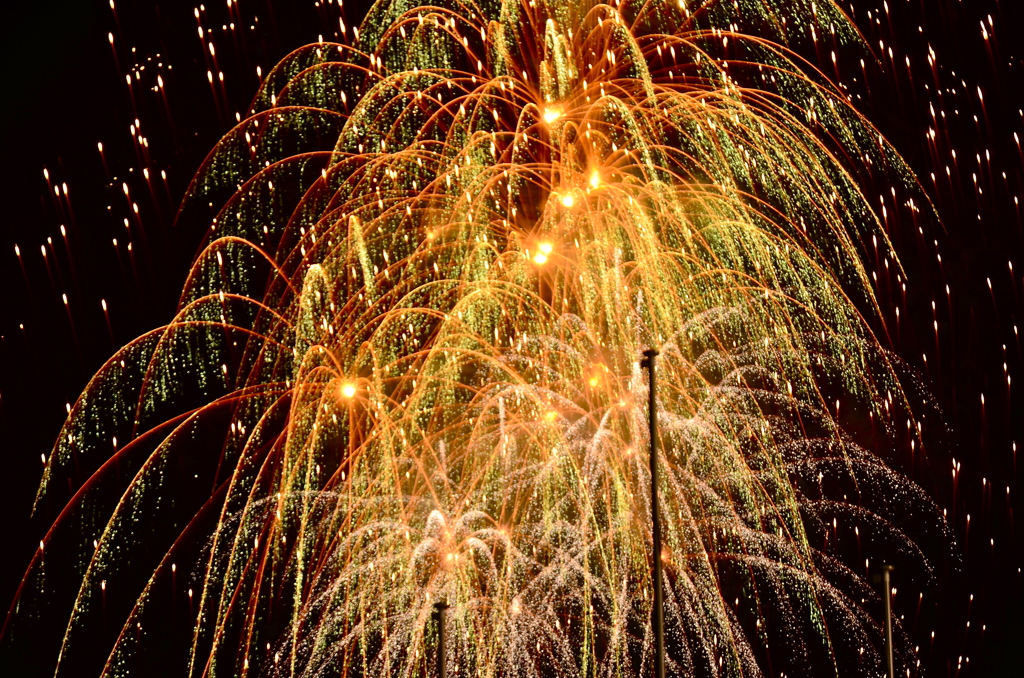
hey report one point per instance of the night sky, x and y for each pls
(956, 108)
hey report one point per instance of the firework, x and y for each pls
(404, 369)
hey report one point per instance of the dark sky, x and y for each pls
(63, 92)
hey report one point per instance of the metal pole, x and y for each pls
(658, 621)
(886, 570)
(439, 608)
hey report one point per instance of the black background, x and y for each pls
(63, 90)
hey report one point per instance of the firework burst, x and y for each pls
(404, 367)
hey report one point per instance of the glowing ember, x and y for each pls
(551, 114)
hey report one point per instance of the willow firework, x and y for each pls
(404, 367)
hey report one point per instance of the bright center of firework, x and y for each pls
(545, 250)
(595, 179)
(568, 200)
(551, 114)
(348, 390)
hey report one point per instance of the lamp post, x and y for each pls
(439, 608)
(890, 666)
(658, 621)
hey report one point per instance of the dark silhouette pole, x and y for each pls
(658, 621)
(439, 608)
(886, 571)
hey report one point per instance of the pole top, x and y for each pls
(441, 605)
(887, 568)
(648, 359)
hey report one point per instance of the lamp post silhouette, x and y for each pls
(658, 616)
(439, 608)
(886, 584)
